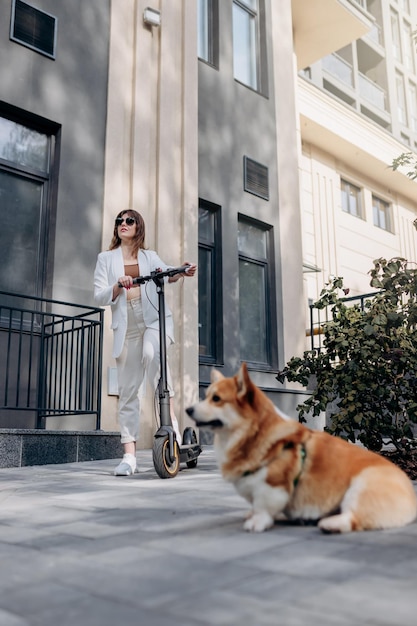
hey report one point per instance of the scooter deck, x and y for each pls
(189, 452)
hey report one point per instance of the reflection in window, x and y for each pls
(413, 106)
(408, 46)
(351, 199)
(395, 33)
(207, 37)
(401, 107)
(20, 200)
(209, 284)
(23, 146)
(255, 301)
(382, 214)
(25, 174)
(245, 46)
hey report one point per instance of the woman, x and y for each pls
(134, 322)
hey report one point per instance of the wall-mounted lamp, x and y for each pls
(151, 17)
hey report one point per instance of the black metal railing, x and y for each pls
(50, 360)
(319, 317)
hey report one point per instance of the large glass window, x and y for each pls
(395, 33)
(245, 42)
(210, 331)
(401, 106)
(256, 309)
(351, 198)
(25, 201)
(382, 214)
(408, 46)
(207, 31)
(413, 106)
(405, 5)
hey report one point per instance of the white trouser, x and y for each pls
(138, 360)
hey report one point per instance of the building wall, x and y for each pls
(125, 96)
(151, 166)
(234, 121)
(71, 91)
(344, 135)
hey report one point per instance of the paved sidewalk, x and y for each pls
(80, 547)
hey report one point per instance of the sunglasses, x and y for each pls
(129, 221)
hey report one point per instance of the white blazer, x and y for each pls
(109, 269)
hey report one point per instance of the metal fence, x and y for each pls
(50, 360)
(319, 317)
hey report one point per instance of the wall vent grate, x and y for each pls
(33, 28)
(255, 177)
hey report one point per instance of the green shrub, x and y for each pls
(367, 370)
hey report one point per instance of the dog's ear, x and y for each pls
(215, 376)
(244, 384)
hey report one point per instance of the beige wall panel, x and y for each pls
(151, 165)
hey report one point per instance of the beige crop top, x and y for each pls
(133, 271)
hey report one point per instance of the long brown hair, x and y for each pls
(138, 241)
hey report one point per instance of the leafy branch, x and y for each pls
(367, 372)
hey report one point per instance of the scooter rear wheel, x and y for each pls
(190, 437)
(164, 466)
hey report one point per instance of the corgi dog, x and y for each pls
(285, 469)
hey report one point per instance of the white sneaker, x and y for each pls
(127, 466)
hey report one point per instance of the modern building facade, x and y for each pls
(357, 113)
(255, 137)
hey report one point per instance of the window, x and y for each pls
(207, 31)
(209, 284)
(27, 200)
(395, 33)
(351, 199)
(413, 106)
(401, 107)
(257, 314)
(405, 5)
(382, 214)
(408, 46)
(245, 42)
(33, 28)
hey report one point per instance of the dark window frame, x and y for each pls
(271, 340)
(50, 181)
(216, 288)
(261, 48)
(213, 34)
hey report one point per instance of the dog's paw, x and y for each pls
(258, 522)
(341, 523)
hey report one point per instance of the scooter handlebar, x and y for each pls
(157, 274)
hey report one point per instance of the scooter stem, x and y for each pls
(164, 401)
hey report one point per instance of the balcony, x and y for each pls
(324, 26)
(375, 34)
(339, 68)
(372, 93)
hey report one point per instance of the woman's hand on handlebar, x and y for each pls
(190, 271)
(125, 282)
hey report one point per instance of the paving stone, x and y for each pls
(81, 546)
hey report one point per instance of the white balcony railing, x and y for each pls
(339, 68)
(375, 34)
(372, 92)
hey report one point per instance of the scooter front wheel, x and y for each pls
(165, 466)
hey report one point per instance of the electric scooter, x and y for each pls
(167, 454)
